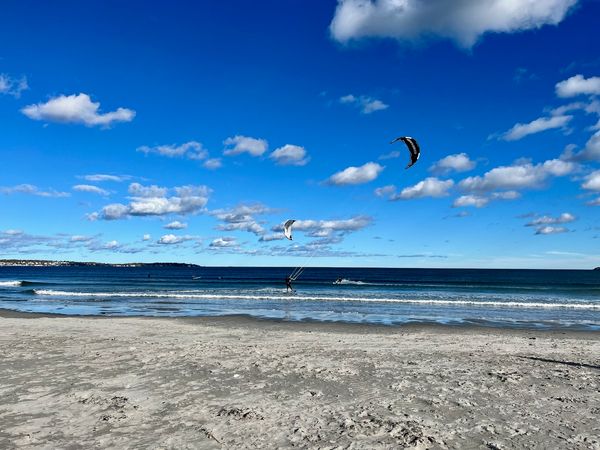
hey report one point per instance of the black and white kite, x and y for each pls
(287, 229)
(413, 148)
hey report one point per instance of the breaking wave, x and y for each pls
(328, 298)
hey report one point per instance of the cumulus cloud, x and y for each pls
(356, 175)
(551, 230)
(549, 220)
(22, 243)
(392, 155)
(224, 242)
(458, 162)
(384, 191)
(463, 21)
(595, 202)
(188, 150)
(520, 130)
(326, 232)
(578, 85)
(521, 175)
(592, 181)
(290, 155)
(31, 189)
(171, 239)
(479, 201)
(212, 163)
(241, 218)
(429, 187)
(76, 109)
(146, 237)
(244, 144)
(98, 177)
(272, 237)
(366, 104)
(111, 245)
(12, 86)
(89, 188)
(591, 151)
(176, 225)
(156, 201)
(547, 224)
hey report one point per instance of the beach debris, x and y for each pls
(413, 148)
(287, 228)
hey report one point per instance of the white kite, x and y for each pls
(287, 229)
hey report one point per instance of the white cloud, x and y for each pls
(104, 177)
(578, 85)
(520, 130)
(591, 151)
(551, 230)
(213, 163)
(459, 162)
(523, 175)
(546, 224)
(154, 201)
(595, 202)
(477, 201)
(356, 175)
(224, 242)
(176, 225)
(290, 155)
(146, 237)
(385, 190)
(549, 220)
(429, 187)
(12, 86)
(114, 211)
(325, 232)
(80, 238)
(76, 109)
(243, 144)
(189, 150)
(241, 218)
(91, 189)
(366, 104)
(169, 239)
(392, 155)
(111, 245)
(462, 21)
(32, 190)
(592, 181)
(272, 237)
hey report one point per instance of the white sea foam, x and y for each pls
(346, 281)
(10, 283)
(191, 296)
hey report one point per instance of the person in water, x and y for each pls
(288, 284)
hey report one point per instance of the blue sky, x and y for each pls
(191, 131)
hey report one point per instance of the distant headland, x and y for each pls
(49, 263)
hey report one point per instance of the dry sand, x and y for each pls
(241, 383)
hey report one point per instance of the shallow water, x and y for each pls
(502, 298)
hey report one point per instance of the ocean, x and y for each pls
(557, 299)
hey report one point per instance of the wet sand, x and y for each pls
(244, 383)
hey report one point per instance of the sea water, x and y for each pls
(502, 298)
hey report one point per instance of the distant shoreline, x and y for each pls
(52, 263)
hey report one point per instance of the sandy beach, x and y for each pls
(241, 383)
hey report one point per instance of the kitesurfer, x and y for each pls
(288, 284)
